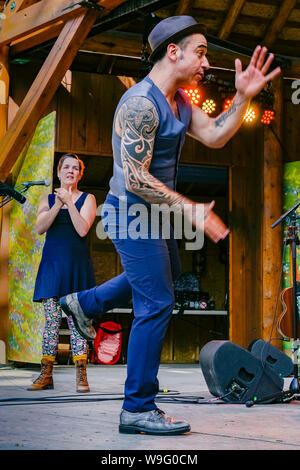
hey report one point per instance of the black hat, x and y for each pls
(171, 29)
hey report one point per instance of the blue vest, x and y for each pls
(169, 138)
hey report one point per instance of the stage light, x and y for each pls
(227, 103)
(250, 115)
(267, 116)
(194, 95)
(208, 106)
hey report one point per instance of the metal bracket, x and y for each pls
(91, 5)
(87, 4)
(12, 5)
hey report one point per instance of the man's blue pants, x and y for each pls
(150, 266)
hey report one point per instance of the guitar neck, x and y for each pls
(291, 267)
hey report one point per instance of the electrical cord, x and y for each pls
(173, 396)
(159, 399)
(69, 398)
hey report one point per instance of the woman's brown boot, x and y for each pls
(81, 378)
(45, 379)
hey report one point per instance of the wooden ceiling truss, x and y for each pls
(77, 22)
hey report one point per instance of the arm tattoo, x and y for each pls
(137, 121)
(220, 120)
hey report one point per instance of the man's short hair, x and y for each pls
(180, 42)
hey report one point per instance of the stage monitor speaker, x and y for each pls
(235, 375)
(266, 352)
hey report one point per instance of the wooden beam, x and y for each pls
(114, 43)
(4, 95)
(36, 16)
(245, 243)
(127, 81)
(46, 33)
(278, 22)
(4, 89)
(44, 13)
(43, 89)
(36, 38)
(16, 5)
(4, 211)
(4, 251)
(237, 255)
(231, 18)
(183, 7)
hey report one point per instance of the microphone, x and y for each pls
(27, 184)
(6, 190)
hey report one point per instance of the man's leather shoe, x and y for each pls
(151, 422)
(71, 306)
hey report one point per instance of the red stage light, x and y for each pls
(228, 102)
(267, 117)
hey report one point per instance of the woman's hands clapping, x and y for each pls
(64, 195)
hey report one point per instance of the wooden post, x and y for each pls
(278, 22)
(272, 240)
(245, 194)
(4, 241)
(237, 255)
(4, 93)
(43, 89)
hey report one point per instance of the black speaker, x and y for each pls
(235, 375)
(266, 352)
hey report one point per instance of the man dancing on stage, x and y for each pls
(150, 124)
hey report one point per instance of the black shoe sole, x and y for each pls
(65, 308)
(139, 430)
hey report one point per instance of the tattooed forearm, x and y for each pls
(220, 120)
(137, 123)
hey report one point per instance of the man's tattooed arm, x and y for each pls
(137, 123)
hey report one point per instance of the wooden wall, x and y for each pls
(85, 114)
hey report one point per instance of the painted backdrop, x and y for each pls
(26, 318)
(291, 194)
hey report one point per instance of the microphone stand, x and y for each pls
(7, 199)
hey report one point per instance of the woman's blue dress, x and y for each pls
(66, 265)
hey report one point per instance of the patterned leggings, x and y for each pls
(53, 316)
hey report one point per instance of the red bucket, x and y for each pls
(108, 343)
